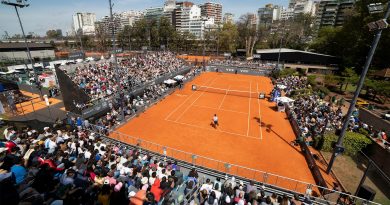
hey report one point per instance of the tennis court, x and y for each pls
(251, 133)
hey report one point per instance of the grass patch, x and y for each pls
(350, 171)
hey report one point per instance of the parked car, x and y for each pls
(361, 102)
(386, 116)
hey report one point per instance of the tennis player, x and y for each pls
(215, 120)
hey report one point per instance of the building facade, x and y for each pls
(178, 13)
(305, 7)
(286, 14)
(128, 18)
(84, 23)
(268, 14)
(212, 10)
(105, 25)
(188, 18)
(154, 13)
(332, 12)
(228, 18)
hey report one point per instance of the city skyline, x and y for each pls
(39, 22)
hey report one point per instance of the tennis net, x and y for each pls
(239, 93)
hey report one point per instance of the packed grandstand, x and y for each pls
(73, 163)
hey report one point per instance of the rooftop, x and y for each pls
(23, 45)
(287, 50)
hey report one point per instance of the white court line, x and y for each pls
(216, 130)
(220, 105)
(258, 102)
(173, 111)
(194, 101)
(244, 113)
(249, 113)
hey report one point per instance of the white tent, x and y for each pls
(178, 77)
(169, 82)
(284, 100)
(281, 86)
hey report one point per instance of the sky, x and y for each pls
(43, 15)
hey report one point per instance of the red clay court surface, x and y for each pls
(182, 121)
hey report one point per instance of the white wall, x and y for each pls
(23, 54)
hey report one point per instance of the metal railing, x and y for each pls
(270, 179)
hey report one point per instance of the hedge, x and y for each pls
(322, 89)
(353, 142)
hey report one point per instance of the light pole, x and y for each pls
(378, 26)
(121, 94)
(204, 43)
(281, 43)
(80, 34)
(22, 4)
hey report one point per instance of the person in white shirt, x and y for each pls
(208, 186)
(215, 121)
(50, 144)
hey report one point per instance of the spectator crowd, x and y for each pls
(101, 80)
(314, 115)
(242, 63)
(72, 165)
(292, 83)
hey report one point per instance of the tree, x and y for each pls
(52, 34)
(140, 33)
(352, 41)
(228, 37)
(166, 31)
(87, 42)
(349, 76)
(124, 37)
(101, 38)
(248, 35)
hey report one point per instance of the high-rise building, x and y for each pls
(332, 12)
(252, 19)
(154, 13)
(128, 18)
(212, 10)
(305, 7)
(228, 18)
(291, 4)
(169, 7)
(84, 22)
(286, 14)
(188, 18)
(268, 14)
(107, 27)
(178, 15)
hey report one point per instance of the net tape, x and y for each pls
(239, 93)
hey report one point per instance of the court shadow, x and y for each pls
(213, 125)
(274, 108)
(269, 130)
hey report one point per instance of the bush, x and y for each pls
(323, 90)
(284, 73)
(353, 142)
(363, 131)
(311, 79)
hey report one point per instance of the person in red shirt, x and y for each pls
(156, 191)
